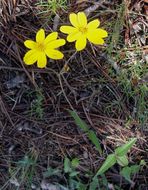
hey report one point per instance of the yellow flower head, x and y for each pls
(43, 47)
(80, 31)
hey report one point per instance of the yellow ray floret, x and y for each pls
(43, 47)
(81, 31)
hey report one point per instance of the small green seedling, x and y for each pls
(52, 172)
(70, 166)
(24, 170)
(119, 156)
(37, 105)
(128, 171)
(51, 6)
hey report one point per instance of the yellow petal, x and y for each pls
(95, 36)
(42, 60)
(51, 37)
(94, 40)
(93, 24)
(40, 36)
(101, 33)
(73, 37)
(98, 33)
(74, 20)
(54, 54)
(81, 43)
(30, 57)
(68, 29)
(55, 44)
(30, 44)
(82, 20)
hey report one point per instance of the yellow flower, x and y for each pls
(43, 47)
(80, 31)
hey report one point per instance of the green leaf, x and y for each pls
(143, 163)
(81, 186)
(126, 173)
(94, 183)
(73, 184)
(79, 122)
(122, 160)
(135, 169)
(75, 162)
(104, 181)
(109, 162)
(73, 173)
(26, 161)
(94, 139)
(122, 150)
(50, 172)
(67, 165)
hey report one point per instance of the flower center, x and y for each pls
(41, 46)
(83, 30)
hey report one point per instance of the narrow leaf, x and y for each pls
(121, 151)
(79, 122)
(81, 186)
(73, 173)
(126, 173)
(50, 172)
(94, 183)
(109, 162)
(67, 165)
(94, 139)
(122, 160)
(135, 169)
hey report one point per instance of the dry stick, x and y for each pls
(32, 81)
(4, 110)
(94, 7)
(70, 88)
(142, 48)
(61, 74)
(95, 61)
(28, 70)
(91, 9)
(108, 59)
(38, 132)
(112, 62)
(13, 174)
(66, 63)
(61, 85)
(67, 138)
(56, 22)
(86, 114)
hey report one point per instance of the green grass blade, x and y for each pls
(94, 139)
(79, 121)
